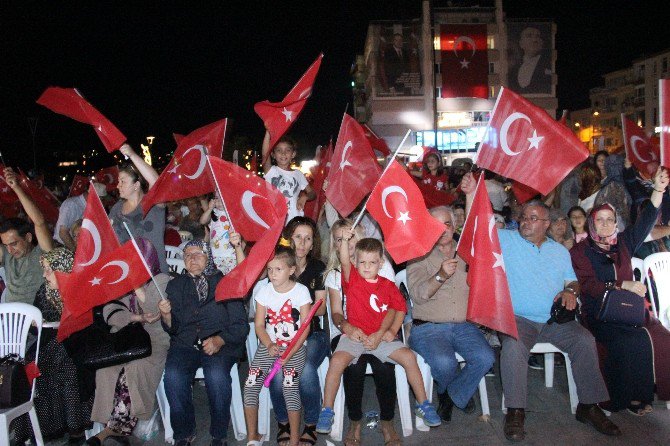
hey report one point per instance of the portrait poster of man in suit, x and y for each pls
(530, 58)
(399, 61)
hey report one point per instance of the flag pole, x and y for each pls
(218, 190)
(144, 262)
(488, 126)
(468, 216)
(3, 159)
(360, 214)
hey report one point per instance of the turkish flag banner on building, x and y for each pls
(257, 209)
(664, 119)
(378, 144)
(109, 176)
(319, 175)
(114, 274)
(69, 102)
(489, 301)
(354, 168)
(465, 63)
(524, 143)
(397, 205)
(42, 196)
(278, 117)
(96, 236)
(252, 203)
(79, 185)
(640, 150)
(185, 175)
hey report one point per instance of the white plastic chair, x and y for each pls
(658, 266)
(549, 350)
(173, 252)
(176, 266)
(236, 407)
(638, 265)
(15, 320)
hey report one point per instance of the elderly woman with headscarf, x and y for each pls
(126, 393)
(60, 404)
(203, 333)
(636, 358)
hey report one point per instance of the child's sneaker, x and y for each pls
(426, 411)
(326, 419)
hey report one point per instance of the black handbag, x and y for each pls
(95, 347)
(14, 386)
(622, 307)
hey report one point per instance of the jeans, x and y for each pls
(318, 348)
(180, 367)
(437, 343)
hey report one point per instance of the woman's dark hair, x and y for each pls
(590, 179)
(605, 153)
(293, 224)
(130, 170)
(440, 167)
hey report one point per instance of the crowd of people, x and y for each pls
(569, 248)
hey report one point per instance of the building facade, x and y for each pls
(439, 74)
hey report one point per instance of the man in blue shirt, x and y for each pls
(539, 272)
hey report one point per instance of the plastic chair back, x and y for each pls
(176, 266)
(657, 268)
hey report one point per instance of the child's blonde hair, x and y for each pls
(333, 261)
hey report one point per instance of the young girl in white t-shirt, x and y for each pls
(223, 252)
(281, 306)
(291, 183)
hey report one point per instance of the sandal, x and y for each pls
(350, 439)
(640, 409)
(283, 434)
(393, 438)
(308, 431)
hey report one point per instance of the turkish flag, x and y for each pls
(355, 169)
(640, 150)
(70, 324)
(278, 117)
(96, 236)
(489, 302)
(109, 176)
(465, 63)
(522, 192)
(524, 143)
(79, 185)
(397, 205)
(257, 209)
(185, 175)
(46, 201)
(251, 202)
(114, 274)
(69, 102)
(378, 144)
(319, 175)
(433, 197)
(177, 137)
(664, 107)
(7, 195)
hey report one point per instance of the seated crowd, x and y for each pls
(569, 248)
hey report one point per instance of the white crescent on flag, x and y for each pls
(97, 245)
(388, 191)
(633, 140)
(203, 161)
(344, 163)
(373, 303)
(121, 264)
(467, 39)
(505, 128)
(248, 207)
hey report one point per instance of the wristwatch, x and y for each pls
(440, 278)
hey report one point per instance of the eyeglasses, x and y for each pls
(606, 221)
(532, 218)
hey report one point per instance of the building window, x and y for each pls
(436, 43)
(492, 92)
(655, 115)
(664, 65)
(437, 68)
(438, 92)
(655, 91)
(492, 68)
(654, 68)
(491, 42)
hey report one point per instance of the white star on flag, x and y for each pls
(499, 261)
(95, 281)
(404, 216)
(465, 63)
(384, 307)
(535, 140)
(174, 168)
(288, 114)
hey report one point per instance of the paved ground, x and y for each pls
(548, 421)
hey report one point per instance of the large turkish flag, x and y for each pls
(465, 63)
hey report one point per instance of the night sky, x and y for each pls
(154, 68)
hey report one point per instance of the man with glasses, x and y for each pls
(439, 293)
(539, 272)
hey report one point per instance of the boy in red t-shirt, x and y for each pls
(372, 302)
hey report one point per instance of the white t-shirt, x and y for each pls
(282, 319)
(334, 281)
(219, 240)
(289, 183)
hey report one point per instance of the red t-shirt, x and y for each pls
(439, 182)
(367, 303)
